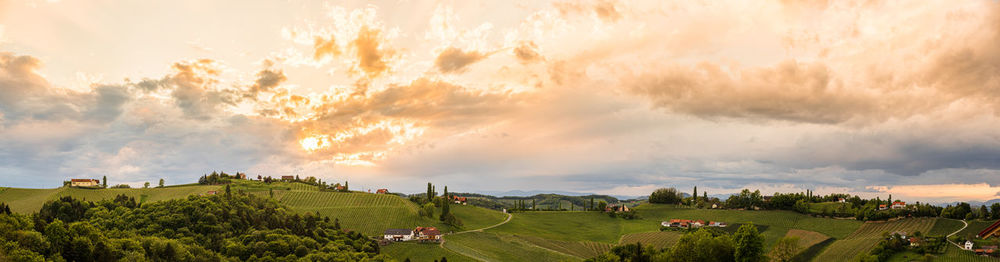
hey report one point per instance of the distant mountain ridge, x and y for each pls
(522, 193)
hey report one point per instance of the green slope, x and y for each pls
(31, 200)
(868, 235)
(422, 252)
(500, 247)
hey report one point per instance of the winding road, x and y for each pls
(509, 216)
(956, 232)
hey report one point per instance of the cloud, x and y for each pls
(267, 80)
(789, 91)
(325, 48)
(371, 53)
(602, 9)
(527, 52)
(454, 60)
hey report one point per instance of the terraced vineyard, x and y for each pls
(662, 239)
(580, 249)
(945, 226)
(500, 247)
(868, 235)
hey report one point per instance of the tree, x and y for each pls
(532, 204)
(694, 196)
(445, 193)
(346, 189)
(995, 211)
(430, 192)
(591, 203)
(105, 184)
(145, 185)
(445, 210)
(785, 249)
(665, 196)
(270, 192)
(749, 244)
(602, 205)
(161, 182)
(228, 190)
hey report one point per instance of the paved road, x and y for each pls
(956, 232)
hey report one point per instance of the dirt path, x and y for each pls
(956, 232)
(509, 216)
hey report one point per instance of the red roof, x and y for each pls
(898, 203)
(382, 191)
(84, 180)
(989, 229)
(427, 231)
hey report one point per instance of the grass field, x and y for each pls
(657, 239)
(422, 252)
(565, 226)
(31, 200)
(500, 247)
(944, 226)
(371, 214)
(867, 236)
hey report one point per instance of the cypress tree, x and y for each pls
(446, 192)
(694, 196)
(430, 191)
(532, 204)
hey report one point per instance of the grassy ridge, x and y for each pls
(565, 226)
(30, 200)
(500, 247)
(421, 252)
(974, 227)
(371, 214)
(868, 235)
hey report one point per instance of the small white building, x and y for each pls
(969, 245)
(398, 234)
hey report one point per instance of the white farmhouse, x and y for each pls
(398, 234)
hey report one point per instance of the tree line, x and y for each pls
(745, 245)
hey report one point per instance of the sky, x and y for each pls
(865, 97)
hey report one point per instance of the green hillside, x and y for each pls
(868, 235)
(422, 252)
(30, 200)
(500, 247)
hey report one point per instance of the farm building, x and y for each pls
(84, 182)
(211, 193)
(882, 207)
(288, 178)
(616, 208)
(382, 191)
(398, 234)
(458, 199)
(427, 234)
(990, 231)
(969, 245)
(686, 223)
(898, 204)
(241, 176)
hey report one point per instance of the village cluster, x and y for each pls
(686, 223)
(421, 234)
